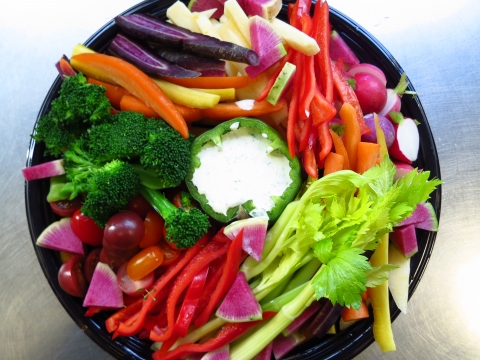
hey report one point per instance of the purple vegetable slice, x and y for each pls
(45, 170)
(104, 290)
(149, 28)
(405, 239)
(205, 66)
(254, 232)
(202, 5)
(302, 319)
(145, 59)
(219, 354)
(266, 353)
(282, 345)
(325, 318)
(240, 304)
(59, 236)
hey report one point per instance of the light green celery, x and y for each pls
(303, 274)
(200, 332)
(277, 291)
(276, 304)
(251, 345)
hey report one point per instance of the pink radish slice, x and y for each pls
(283, 345)
(407, 141)
(59, 236)
(393, 103)
(104, 289)
(240, 305)
(339, 49)
(402, 170)
(368, 69)
(219, 354)
(266, 61)
(267, 9)
(304, 317)
(135, 288)
(431, 222)
(202, 5)
(405, 239)
(254, 232)
(263, 36)
(265, 354)
(420, 214)
(45, 170)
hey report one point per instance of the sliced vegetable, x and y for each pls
(369, 69)
(145, 59)
(282, 345)
(254, 232)
(333, 163)
(45, 170)
(135, 288)
(267, 9)
(219, 354)
(59, 236)
(295, 38)
(407, 140)
(202, 5)
(405, 239)
(351, 314)
(340, 49)
(352, 135)
(302, 319)
(399, 279)
(103, 289)
(150, 28)
(367, 155)
(266, 61)
(237, 16)
(113, 93)
(242, 108)
(385, 124)
(402, 169)
(282, 83)
(208, 82)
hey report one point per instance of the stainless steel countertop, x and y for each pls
(436, 43)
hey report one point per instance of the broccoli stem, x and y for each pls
(159, 202)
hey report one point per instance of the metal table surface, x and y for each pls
(436, 42)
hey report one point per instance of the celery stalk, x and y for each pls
(304, 274)
(277, 303)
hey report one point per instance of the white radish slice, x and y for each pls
(398, 279)
(407, 141)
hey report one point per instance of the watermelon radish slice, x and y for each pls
(267, 9)
(340, 49)
(240, 304)
(302, 319)
(399, 279)
(266, 61)
(263, 36)
(419, 215)
(45, 170)
(59, 236)
(405, 239)
(219, 354)
(104, 290)
(254, 232)
(431, 222)
(283, 345)
(202, 5)
(407, 139)
(265, 354)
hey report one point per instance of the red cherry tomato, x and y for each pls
(66, 208)
(70, 277)
(170, 254)
(145, 262)
(124, 230)
(140, 206)
(135, 288)
(86, 229)
(91, 262)
(154, 225)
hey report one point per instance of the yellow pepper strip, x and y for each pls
(188, 97)
(227, 94)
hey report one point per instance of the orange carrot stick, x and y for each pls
(333, 163)
(367, 154)
(119, 72)
(213, 82)
(132, 103)
(227, 111)
(352, 133)
(350, 314)
(113, 93)
(340, 149)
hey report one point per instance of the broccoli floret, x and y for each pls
(78, 106)
(110, 189)
(166, 153)
(124, 137)
(184, 227)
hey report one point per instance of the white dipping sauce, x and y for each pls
(241, 169)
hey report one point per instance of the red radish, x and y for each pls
(202, 5)
(104, 290)
(405, 239)
(45, 170)
(407, 140)
(371, 92)
(283, 345)
(267, 9)
(134, 288)
(59, 236)
(266, 61)
(369, 69)
(254, 232)
(240, 304)
(219, 354)
(304, 317)
(402, 170)
(419, 215)
(385, 124)
(394, 97)
(339, 49)
(282, 84)
(265, 354)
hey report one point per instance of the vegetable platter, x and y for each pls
(344, 344)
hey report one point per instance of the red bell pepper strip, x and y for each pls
(322, 110)
(325, 142)
(190, 303)
(347, 95)
(228, 333)
(308, 155)
(92, 310)
(213, 250)
(124, 314)
(271, 80)
(293, 108)
(304, 134)
(300, 8)
(234, 258)
(322, 35)
(134, 324)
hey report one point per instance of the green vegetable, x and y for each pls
(78, 106)
(242, 129)
(184, 227)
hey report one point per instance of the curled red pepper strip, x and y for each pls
(325, 141)
(322, 35)
(228, 333)
(213, 250)
(234, 258)
(121, 315)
